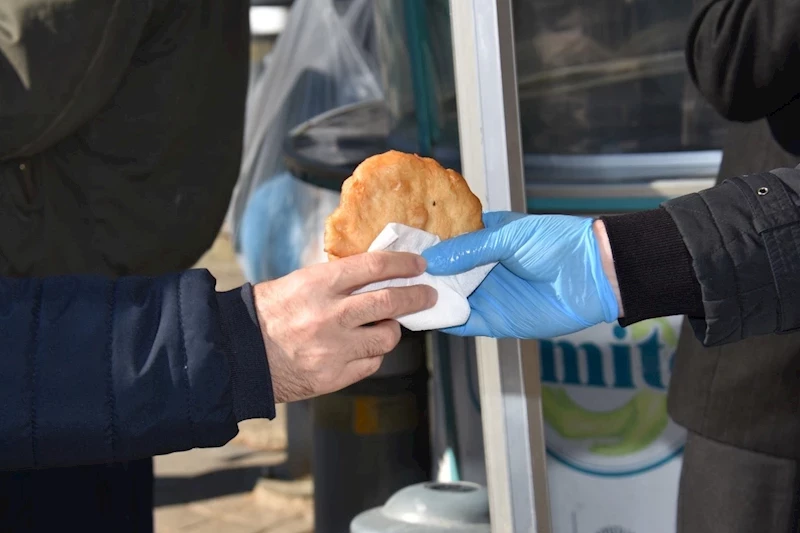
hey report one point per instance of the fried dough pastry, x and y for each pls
(403, 188)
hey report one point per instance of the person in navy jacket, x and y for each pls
(95, 369)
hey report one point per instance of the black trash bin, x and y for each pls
(372, 438)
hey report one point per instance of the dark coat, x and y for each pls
(744, 56)
(96, 370)
(120, 136)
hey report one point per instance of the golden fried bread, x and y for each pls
(403, 188)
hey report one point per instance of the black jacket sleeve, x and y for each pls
(94, 370)
(744, 55)
(729, 257)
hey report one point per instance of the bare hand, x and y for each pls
(319, 337)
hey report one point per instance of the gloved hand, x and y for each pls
(549, 282)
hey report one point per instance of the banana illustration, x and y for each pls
(622, 431)
(572, 421)
(649, 420)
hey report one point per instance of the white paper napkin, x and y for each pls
(452, 308)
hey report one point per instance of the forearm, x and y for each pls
(96, 370)
(727, 257)
(648, 266)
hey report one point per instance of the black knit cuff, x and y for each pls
(252, 383)
(654, 268)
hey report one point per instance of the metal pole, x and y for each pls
(491, 156)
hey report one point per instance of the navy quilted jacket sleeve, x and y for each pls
(94, 370)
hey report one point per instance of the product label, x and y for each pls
(614, 452)
(614, 455)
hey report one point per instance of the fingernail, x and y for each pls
(433, 296)
(421, 264)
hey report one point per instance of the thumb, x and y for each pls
(468, 251)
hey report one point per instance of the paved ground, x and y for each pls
(219, 490)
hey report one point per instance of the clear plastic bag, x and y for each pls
(323, 59)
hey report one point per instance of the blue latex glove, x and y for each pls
(549, 282)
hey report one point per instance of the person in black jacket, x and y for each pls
(740, 401)
(728, 257)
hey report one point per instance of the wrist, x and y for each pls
(266, 302)
(607, 260)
